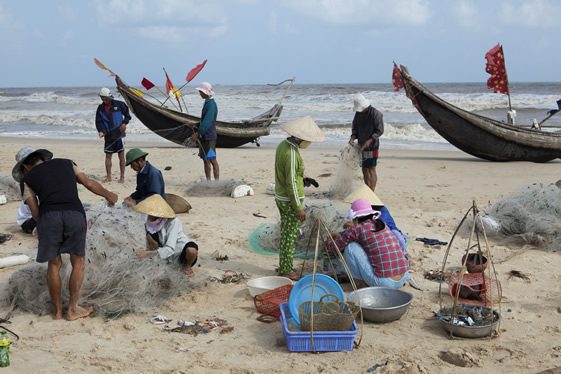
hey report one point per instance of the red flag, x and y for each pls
(170, 89)
(495, 66)
(147, 84)
(196, 70)
(396, 78)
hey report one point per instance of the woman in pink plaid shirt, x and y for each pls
(371, 250)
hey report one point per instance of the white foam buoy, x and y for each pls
(14, 260)
(3, 199)
(242, 190)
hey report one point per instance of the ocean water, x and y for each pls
(69, 112)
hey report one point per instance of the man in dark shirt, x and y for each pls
(111, 119)
(149, 180)
(205, 132)
(51, 192)
(368, 126)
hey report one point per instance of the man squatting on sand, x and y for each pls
(51, 192)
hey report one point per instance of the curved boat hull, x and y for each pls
(480, 136)
(177, 127)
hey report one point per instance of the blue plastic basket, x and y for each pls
(324, 341)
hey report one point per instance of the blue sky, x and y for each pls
(53, 42)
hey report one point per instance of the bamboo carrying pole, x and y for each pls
(319, 225)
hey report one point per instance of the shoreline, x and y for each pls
(152, 140)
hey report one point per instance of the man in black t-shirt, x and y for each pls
(51, 192)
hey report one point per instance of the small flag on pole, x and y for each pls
(498, 81)
(397, 82)
(170, 89)
(137, 92)
(147, 84)
(196, 70)
(102, 66)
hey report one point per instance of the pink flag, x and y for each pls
(196, 70)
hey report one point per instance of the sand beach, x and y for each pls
(427, 192)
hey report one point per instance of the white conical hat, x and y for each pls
(155, 206)
(304, 128)
(364, 192)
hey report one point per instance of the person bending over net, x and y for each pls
(164, 234)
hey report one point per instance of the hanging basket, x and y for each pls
(332, 315)
(475, 289)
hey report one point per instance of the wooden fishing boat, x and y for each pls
(177, 127)
(481, 136)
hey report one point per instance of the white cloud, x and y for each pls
(165, 20)
(533, 14)
(362, 12)
(468, 14)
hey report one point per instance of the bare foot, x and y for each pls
(188, 270)
(107, 180)
(79, 312)
(57, 316)
(122, 180)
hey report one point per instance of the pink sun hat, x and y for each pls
(206, 88)
(361, 208)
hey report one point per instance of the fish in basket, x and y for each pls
(330, 315)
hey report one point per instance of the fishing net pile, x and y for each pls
(530, 216)
(116, 281)
(265, 238)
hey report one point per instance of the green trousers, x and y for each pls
(289, 227)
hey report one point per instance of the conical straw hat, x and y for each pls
(177, 203)
(304, 128)
(364, 192)
(155, 206)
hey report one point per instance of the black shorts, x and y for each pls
(61, 231)
(114, 146)
(182, 255)
(207, 149)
